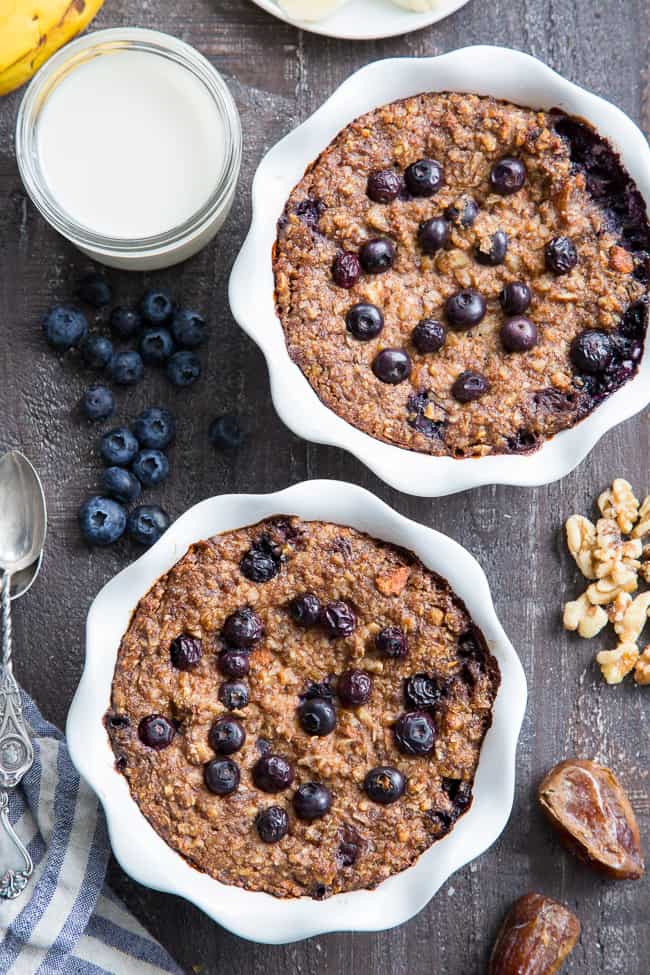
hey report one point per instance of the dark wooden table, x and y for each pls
(278, 76)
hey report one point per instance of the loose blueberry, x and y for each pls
(469, 386)
(272, 773)
(591, 351)
(391, 642)
(507, 176)
(384, 785)
(415, 733)
(496, 252)
(260, 563)
(561, 255)
(377, 255)
(354, 688)
(156, 732)
(125, 322)
(189, 329)
(392, 366)
(185, 651)
(312, 800)
(364, 321)
(317, 717)
(515, 298)
(97, 351)
(151, 467)
(243, 628)
(156, 345)
(65, 327)
(95, 290)
(226, 432)
(339, 619)
(519, 334)
(221, 776)
(465, 309)
(147, 523)
(121, 485)
(346, 269)
(422, 691)
(272, 824)
(234, 663)
(305, 609)
(226, 736)
(126, 368)
(183, 368)
(463, 212)
(102, 520)
(156, 307)
(97, 403)
(155, 428)
(383, 185)
(429, 335)
(233, 694)
(424, 177)
(434, 234)
(118, 447)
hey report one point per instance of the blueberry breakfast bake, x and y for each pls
(461, 276)
(299, 708)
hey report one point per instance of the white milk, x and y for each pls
(130, 144)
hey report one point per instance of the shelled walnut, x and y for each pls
(614, 565)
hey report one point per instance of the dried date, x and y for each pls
(535, 938)
(588, 806)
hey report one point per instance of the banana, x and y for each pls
(310, 9)
(32, 30)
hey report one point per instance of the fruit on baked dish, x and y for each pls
(461, 276)
(299, 708)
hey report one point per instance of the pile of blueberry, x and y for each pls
(134, 459)
(467, 307)
(163, 335)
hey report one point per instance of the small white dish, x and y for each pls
(365, 20)
(258, 916)
(495, 71)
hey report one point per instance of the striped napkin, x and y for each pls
(66, 920)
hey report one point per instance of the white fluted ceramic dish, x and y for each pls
(258, 916)
(495, 71)
(365, 20)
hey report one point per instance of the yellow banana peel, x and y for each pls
(32, 30)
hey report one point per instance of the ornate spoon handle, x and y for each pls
(16, 750)
(13, 882)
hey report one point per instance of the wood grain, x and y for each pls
(279, 76)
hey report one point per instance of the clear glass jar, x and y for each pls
(170, 246)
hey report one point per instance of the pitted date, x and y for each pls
(535, 938)
(588, 806)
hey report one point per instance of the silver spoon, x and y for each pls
(23, 523)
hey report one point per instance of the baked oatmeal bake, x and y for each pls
(462, 276)
(299, 708)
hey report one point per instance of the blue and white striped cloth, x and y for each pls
(66, 921)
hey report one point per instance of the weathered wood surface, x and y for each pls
(278, 77)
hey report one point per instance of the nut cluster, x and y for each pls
(612, 556)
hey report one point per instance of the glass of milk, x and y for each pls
(129, 143)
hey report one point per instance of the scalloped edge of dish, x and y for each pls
(485, 70)
(145, 856)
